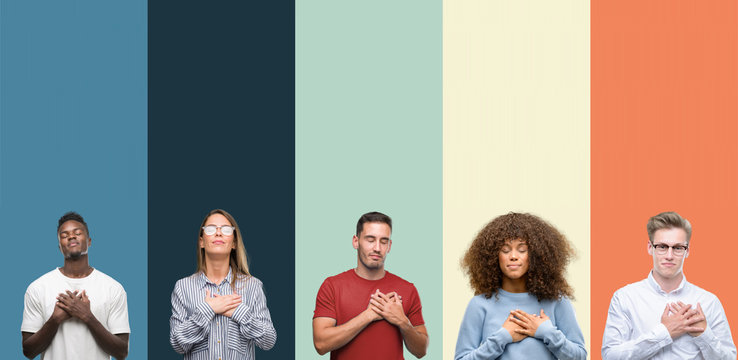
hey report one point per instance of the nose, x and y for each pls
(377, 246)
(514, 254)
(218, 232)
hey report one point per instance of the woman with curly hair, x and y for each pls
(521, 309)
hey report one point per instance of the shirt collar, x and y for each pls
(203, 280)
(655, 286)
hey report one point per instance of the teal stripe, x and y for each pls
(368, 137)
(73, 137)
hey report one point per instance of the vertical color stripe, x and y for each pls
(516, 132)
(664, 135)
(221, 135)
(368, 137)
(73, 137)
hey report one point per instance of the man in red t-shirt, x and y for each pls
(367, 312)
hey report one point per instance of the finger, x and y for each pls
(72, 294)
(523, 331)
(699, 309)
(377, 304)
(83, 294)
(520, 314)
(63, 306)
(666, 311)
(683, 310)
(694, 329)
(375, 309)
(695, 319)
(519, 323)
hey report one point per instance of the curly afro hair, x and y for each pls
(548, 254)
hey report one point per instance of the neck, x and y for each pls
(216, 268)
(514, 285)
(369, 274)
(668, 284)
(76, 268)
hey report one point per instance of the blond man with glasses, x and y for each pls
(664, 316)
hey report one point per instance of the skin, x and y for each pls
(514, 264)
(217, 259)
(667, 268)
(372, 246)
(74, 242)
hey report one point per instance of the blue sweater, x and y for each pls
(482, 337)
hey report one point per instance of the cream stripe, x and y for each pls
(515, 131)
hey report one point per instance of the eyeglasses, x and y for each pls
(224, 229)
(677, 250)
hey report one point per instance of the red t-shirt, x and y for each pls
(346, 295)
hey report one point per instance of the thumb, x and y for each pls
(207, 293)
(542, 313)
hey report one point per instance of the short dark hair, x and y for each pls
(668, 220)
(71, 215)
(372, 217)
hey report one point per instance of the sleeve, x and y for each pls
(187, 330)
(118, 313)
(565, 339)
(254, 320)
(325, 302)
(716, 342)
(415, 310)
(33, 314)
(470, 345)
(616, 343)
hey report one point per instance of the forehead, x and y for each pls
(376, 229)
(70, 225)
(670, 236)
(217, 219)
(514, 242)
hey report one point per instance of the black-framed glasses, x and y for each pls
(677, 250)
(224, 229)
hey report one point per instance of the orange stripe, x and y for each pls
(664, 137)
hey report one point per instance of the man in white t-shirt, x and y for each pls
(664, 316)
(75, 311)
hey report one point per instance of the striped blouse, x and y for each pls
(200, 334)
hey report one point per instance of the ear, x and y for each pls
(200, 242)
(355, 242)
(89, 241)
(650, 248)
(389, 246)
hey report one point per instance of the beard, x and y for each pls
(75, 255)
(370, 264)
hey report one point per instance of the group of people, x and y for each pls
(516, 267)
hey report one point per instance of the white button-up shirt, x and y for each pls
(634, 329)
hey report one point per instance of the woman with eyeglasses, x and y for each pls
(521, 309)
(220, 311)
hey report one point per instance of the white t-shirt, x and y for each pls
(73, 340)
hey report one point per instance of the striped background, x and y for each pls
(593, 115)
